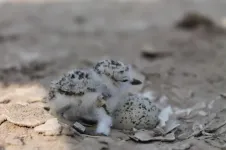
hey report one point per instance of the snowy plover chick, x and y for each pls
(84, 93)
(136, 111)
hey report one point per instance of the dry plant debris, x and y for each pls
(144, 137)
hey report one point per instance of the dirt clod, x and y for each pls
(51, 127)
(193, 20)
(196, 20)
(25, 115)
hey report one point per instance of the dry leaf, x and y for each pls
(215, 144)
(171, 125)
(144, 137)
(215, 126)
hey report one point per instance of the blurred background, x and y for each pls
(178, 45)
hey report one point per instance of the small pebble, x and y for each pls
(4, 101)
(79, 127)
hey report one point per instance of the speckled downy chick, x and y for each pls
(84, 93)
(136, 111)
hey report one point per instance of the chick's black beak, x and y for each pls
(135, 82)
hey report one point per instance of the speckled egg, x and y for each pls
(135, 111)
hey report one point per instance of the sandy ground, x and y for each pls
(61, 36)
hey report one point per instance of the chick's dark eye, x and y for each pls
(121, 71)
(72, 76)
(125, 80)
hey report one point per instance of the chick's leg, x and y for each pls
(60, 114)
(99, 115)
(104, 122)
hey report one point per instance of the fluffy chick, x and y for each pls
(83, 93)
